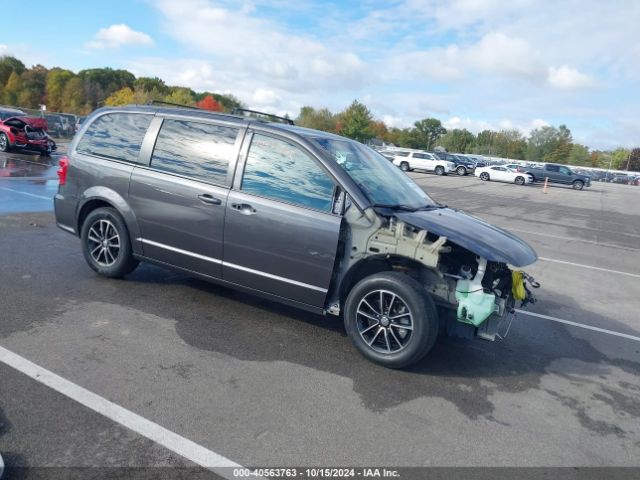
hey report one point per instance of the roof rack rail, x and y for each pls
(161, 102)
(245, 112)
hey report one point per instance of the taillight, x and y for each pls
(63, 166)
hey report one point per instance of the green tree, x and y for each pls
(549, 144)
(321, 119)
(458, 140)
(633, 162)
(56, 81)
(151, 84)
(12, 89)
(428, 131)
(8, 65)
(579, 155)
(73, 97)
(180, 96)
(355, 122)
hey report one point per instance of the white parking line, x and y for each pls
(168, 439)
(580, 325)
(25, 193)
(591, 267)
(571, 239)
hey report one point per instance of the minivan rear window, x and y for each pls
(115, 135)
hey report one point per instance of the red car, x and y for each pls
(25, 132)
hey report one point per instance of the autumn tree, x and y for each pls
(12, 89)
(209, 103)
(356, 120)
(57, 79)
(180, 96)
(633, 162)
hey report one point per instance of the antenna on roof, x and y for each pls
(245, 112)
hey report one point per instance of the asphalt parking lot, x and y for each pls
(267, 385)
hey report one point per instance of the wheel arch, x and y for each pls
(97, 197)
(372, 265)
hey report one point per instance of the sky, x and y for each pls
(473, 64)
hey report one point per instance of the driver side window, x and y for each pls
(281, 171)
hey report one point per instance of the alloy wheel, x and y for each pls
(104, 242)
(384, 321)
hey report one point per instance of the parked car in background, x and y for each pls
(25, 133)
(341, 230)
(464, 165)
(408, 160)
(559, 174)
(516, 167)
(55, 125)
(8, 112)
(500, 173)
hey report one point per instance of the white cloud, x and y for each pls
(4, 49)
(263, 96)
(569, 78)
(118, 35)
(501, 54)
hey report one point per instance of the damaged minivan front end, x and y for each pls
(467, 268)
(464, 263)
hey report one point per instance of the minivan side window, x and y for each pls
(193, 149)
(115, 135)
(281, 171)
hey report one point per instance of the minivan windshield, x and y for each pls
(381, 182)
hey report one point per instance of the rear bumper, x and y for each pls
(65, 213)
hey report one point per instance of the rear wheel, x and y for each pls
(484, 176)
(461, 171)
(519, 181)
(404, 166)
(105, 243)
(5, 146)
(578, 185)
(439, 170)
(391, 319)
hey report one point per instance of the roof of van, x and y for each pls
(200, 113)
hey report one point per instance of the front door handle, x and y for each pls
(206, 198)
(243, 208)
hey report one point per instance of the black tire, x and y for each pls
(404, 166)
(519, 180)
(103, 223)
(5, 145)
(439, 170)
(484, 176)
(461, 171)
(578, 185)
(390, 348)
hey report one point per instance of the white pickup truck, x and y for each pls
(409, 160)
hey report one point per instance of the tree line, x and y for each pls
(80, 93)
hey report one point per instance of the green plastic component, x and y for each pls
(474, 306)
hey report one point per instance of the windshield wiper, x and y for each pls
(406, 208)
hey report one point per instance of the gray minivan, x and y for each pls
(299, 216)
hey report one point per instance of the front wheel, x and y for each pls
(106, 245)
(520, 181)
(461, 171)
(391, 319)
(404, 166)
(578, 185)
(484, 176)
(439, 170)
(5, 146)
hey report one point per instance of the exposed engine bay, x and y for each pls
(475, 296)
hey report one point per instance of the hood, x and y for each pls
(34, 122)
(475, 235)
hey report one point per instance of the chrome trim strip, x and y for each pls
(179, 250)
(64, 227)
(233, 265)
(274, 277)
